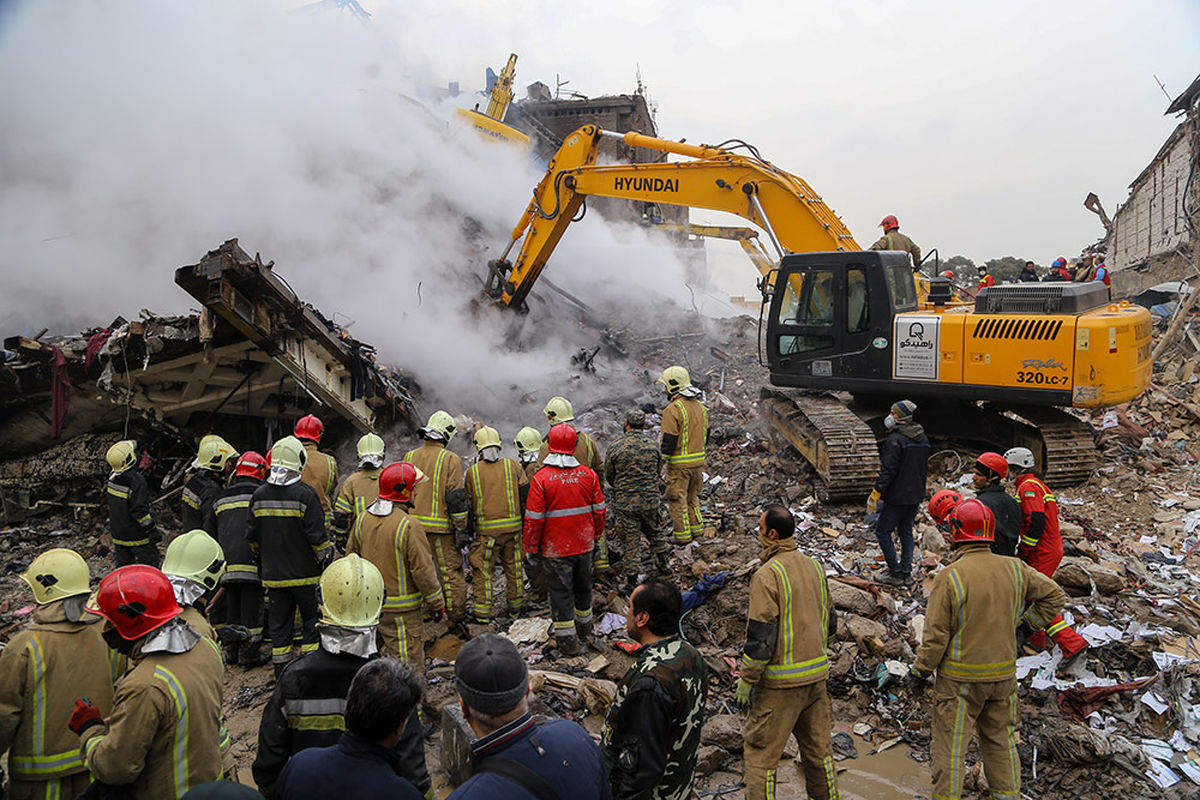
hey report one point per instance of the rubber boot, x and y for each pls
(251, 654)
(568, 646)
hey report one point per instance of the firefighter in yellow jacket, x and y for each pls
(784, 664)
(320, 469)
(529, 450)
(559, 409)
(42, 670)
(360, 489)
(165, 730)
(392, 539)
(684, 437)
(496, 489)
(974, 609)
(440, 505)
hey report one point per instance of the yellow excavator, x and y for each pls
(845, 333)
(491, 124)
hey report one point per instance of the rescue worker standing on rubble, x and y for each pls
(684, 438)
(287, 532)
(893, 239)
(633, 468)
(134, 536)
(44, 667)
(559, 410)
(206, 481)
(439, 503)
(988, 482)
(784, 663)
(320, 469)
(229, 524)
(1041, 544)
(970, 642)
(164, 733)
(496, 489)
(529, 446)
(652, 732)
(393, 539)
(308, 706)
(194, 565)
(360, 489)
(564, 517)
(900, 489)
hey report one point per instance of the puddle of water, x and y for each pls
(890, 775)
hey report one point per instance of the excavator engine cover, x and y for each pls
(1041, 298)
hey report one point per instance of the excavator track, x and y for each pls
(1068, 447)
(839, 445)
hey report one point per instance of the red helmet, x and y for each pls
(948, 273)
(251, 465)
(309, 427)
(942, 503)
(972, 521)
(562, 439)
(889, 222)
(992, 466)
(397, 481)
(136, 599)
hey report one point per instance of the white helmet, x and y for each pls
(1020, 457)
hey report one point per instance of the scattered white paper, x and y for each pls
(1192, 771)
(1162, 775)
(1028, 664)
(609, 623)
(1163, 660)
(1110, 420)
(1155, 704)
(897, 668)
(1180, 742)
(1158, 749)
(716, 479)
(1099, 635)
(1169, 502)
(1148, 540)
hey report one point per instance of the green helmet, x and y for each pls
(196, 556)
(214, 453)
(56, 575)
(289, 453)
(351, 593)
(122, 455)
(440, 426)
(370, 448)
(487, 437)
(528, 441)
(559, 409)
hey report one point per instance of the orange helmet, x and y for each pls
(309, 427)
(251, 465)
(992, 466)
(397, 481)
(942, 503)
(562, 439)
(136, 599)
(889, 222)
(972, 521)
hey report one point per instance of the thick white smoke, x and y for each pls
(139, 135)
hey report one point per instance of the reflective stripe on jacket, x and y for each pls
(128, 499)
(288, 532)
(438, 502)
(198, 494)
(790, 592)
(320, 472)
(358, 491)
(494, 495)
(229, 522)
(564, 512)
(396, 544)
(687, 418)
(1035, 497)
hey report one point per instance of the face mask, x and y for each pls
(889, 422)
(116, 642)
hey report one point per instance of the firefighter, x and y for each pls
(134, 536)
(205, 482)
(893, 239)
(307, 708)
(633, 468)
(496, 489)
(942, 503)
(440, 505)
(1041, 544)
(529, 446)
(360, 489)
(44, 667)
(899, 489)
(559, 410)
(164, 733)
(564, 516)
(392, 539)
(229, 523)
(988, 482)
(684, 437)
(194, 565)
(972, 647)
(320, 469)
(287, 533)
(784, 663)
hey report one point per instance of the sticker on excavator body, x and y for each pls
(915, 351)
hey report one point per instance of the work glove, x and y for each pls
(916, 681)
(743, 693)
(84, 716)
(873, 502)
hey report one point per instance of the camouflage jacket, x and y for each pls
(633, 467)
(653, 728)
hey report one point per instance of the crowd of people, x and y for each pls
(1089, 267)
(119, 692)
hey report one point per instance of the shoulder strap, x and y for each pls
(519, 774)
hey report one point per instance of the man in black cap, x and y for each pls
(515, 758)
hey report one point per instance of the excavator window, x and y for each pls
(812, 307)
(858, 310)
(901, 285)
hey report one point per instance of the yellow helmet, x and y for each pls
(441, 425)
(528, 441)
(196, 556)
(213, 453)
(57, 574)
(675, 378)
(289, 453)
(351, 593)
(487, 437)
(370, 448)
(122, 455)
(559, 410)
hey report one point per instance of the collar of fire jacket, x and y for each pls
(773, 547)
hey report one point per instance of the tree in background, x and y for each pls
(1007, 268)
(963, 267)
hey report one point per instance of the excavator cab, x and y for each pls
(829, 317)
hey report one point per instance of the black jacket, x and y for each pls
(903, 465)
(287, 530)
(306, 711)
(353, 768)
(1008, 518)
(228, 521)
(129, 519)
(198, 494)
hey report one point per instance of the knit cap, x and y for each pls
(490, 674)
